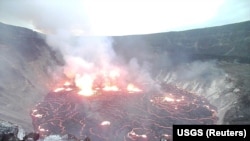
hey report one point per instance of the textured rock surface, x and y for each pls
(213, 62)
(26, 62)
(229, 42)
(7, 128)
(116, 116)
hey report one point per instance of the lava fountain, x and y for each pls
(104, 105)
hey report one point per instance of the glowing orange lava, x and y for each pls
(132, 88)
(113, 74)
(105, 123)
(110, 88)
(168, 99)
(105, 80)
(35, 114)
(85, 83)
(93, 80)
(58, 89)
(67, 83)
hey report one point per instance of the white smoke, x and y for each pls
(66, 25)
(70, 30)
(67, 30)
(204, 78)
(82, 52)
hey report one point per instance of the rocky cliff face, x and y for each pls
(228, 42)
(25, 72)
(212, 62)
(28, 63)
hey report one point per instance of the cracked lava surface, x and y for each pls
(120, 116)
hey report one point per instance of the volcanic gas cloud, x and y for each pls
(106, 99)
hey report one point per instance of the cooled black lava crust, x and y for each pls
(144, 116)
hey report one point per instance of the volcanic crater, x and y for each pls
(201, 77)
(120, 115)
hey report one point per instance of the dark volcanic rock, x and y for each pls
(226, 46)
(31, 137)
(27, 63)
(116, 116)
(228, 42)
(25, 72)
(10, 131)
(13, 132)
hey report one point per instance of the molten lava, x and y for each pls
(119, 116)
(110, 88)
(67, 83)
(113, 112)
(85, 83)
(132, 88)
(104, 123)
(91, 83)
(58, 89)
